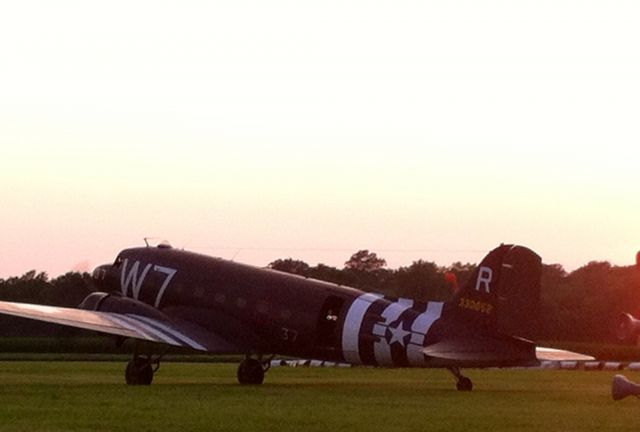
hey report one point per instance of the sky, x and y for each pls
(255, 130)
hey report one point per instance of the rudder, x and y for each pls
(503, 294)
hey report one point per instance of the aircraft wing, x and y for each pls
(128, 325)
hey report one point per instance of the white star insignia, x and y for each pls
(398, 334)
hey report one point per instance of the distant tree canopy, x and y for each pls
(579, 306)
(365, 261)
(67, 290)
(32, 287)
(290, 265)
(421, 280)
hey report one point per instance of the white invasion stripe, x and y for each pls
(121, 322)
(592, 365)
(550, 365)
(352, 324)
(157, 333)
(379, 330)
(419, 330)
(568, 365)
(182, 337)
(612, 366)
(405, 301)
(382, 349)
(153, 327)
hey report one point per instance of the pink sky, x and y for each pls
(255, 132)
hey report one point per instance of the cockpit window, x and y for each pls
(118, 261)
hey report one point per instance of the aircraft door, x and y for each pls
(328, 336)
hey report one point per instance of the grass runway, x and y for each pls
(91, 396)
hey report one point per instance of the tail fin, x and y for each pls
(503, 294)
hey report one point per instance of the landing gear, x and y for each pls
(141, 368)
(251, 370)
(464, 383)
(139, 371)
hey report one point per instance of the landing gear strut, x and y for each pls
(251, 370)
(464, 383)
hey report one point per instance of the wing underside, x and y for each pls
(126, 325)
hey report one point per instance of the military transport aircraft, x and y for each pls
(180, 298)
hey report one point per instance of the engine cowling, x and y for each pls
(106, 302)
(93, 301)
(628, 329)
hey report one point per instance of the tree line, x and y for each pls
(581, 305)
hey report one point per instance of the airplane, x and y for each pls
(178, 298)
(627, 326)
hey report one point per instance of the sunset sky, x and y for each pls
(257, 130)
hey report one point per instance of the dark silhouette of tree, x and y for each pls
(421, 281)
(461, 271)
(365, 261)
(33, 287)
(290, 265)
(70, 289)
(331, 274)
(27, 288)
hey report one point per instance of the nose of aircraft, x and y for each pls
(102, 276)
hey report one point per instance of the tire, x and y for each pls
(464, 384)
(250, 372)
(139, 372)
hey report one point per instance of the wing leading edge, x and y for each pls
(127, 325)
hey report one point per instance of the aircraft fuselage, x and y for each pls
(263, 311)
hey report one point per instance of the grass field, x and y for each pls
(91, 396)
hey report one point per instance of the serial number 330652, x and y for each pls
(475, 305)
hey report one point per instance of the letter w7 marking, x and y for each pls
(169, 272)
(134, 278)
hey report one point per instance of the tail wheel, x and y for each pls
(250, 372)
(139, 372)
(463, 383)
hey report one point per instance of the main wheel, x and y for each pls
(250, 372)
(464, 384)
(138, 372)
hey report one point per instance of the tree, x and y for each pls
(290, 265)
(422, 281)
(462, 271)
(365, 261)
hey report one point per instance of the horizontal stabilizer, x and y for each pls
(481, 350)
(552, 354)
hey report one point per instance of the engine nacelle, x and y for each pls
(93, 301)
(105, 302)
(628, 329)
